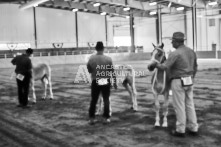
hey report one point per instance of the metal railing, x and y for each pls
(45, 53)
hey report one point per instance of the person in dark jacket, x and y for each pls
(23, 72)
(101, 69)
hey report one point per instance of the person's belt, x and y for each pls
(175, 78)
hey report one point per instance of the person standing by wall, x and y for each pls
(23, 72)
(182, 64)
(101, 69)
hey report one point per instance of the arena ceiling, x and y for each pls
(137, 8)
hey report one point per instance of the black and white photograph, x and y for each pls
(110, 73)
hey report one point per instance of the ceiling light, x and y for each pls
(75, 10)
(31, 4)
(103, 13)
(152, 3)
(126, 9)
(153, 13)
(212, 3)
(180, 8)
(97, 4)
(169, 5)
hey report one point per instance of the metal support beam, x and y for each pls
(194, 26)
(106, 35)
(159, 25)
(189, 3)
(35, 28)
(185, 23)
(76, 25)
(132, 33)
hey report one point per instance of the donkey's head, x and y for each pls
(157, 56)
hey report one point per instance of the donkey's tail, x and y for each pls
(45, 79)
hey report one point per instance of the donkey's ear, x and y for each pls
(153, 45)
(162, 45)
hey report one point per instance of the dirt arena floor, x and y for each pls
(63, 121)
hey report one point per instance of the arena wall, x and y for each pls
(82, 59)
(78, 59)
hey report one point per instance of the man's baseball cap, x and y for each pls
(178, 36)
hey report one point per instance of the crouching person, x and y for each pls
(101, 69)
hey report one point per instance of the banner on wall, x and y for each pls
(14, 46)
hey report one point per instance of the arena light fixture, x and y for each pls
(153, 13)
(75, 10)
(103, 13)
(152, 3)
(97, 4)
(169, 5)
(180, 8)
(30, 4)
(212, 3)
(126, 8)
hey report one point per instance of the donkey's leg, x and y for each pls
(51, 96)
(44, 84)
(99, 106)
(165, 108)
(134, 97)
(110, 106)
(33, 90)
(128, 88)
(157, 110)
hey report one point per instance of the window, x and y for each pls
(211, 22)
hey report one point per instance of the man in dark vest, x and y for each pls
(23, 72)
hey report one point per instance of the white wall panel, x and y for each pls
(55, 26)
(145, 33)
(171, 24)
(189, 35)
(16, 26)
(117, 26)
(91, 28)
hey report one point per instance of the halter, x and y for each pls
(157, 48)
(156, 72)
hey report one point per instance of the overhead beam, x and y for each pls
(112, 7)
(32, 3)
(189, 3)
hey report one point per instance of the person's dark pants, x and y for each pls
(95, 92)
(23, 89)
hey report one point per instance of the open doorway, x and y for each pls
(122, 41)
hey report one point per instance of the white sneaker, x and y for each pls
(92, 121)
(107, 121)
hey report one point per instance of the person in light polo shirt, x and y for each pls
(182, 64)
(23, 72)
(101, 69)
